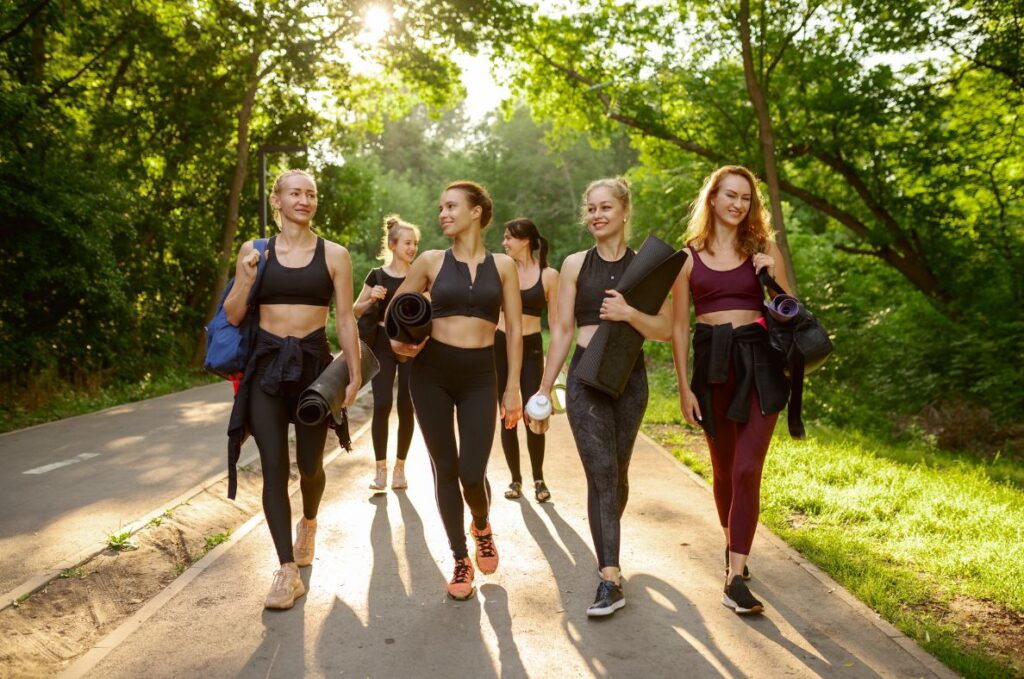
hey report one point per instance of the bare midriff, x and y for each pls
(465, 332)
(737, 317)
(531, 324)
(295, 320)
(584, 334)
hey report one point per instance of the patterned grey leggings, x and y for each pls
(605, 430)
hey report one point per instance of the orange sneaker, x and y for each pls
(461, 586)
(486, 553)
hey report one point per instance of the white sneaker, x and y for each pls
(286, 588)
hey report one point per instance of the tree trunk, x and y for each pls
(764, 126)
(234, 199)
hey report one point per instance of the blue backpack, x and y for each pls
(228, 346)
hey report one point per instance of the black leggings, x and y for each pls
(449, 381)
(529, 382)
(383, 387)
(605, 430)
(269, 417)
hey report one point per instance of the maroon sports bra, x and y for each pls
(730, 290)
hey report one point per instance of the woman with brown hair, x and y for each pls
(521, 241)
(453, 376)
(398, 249)
(738, 385)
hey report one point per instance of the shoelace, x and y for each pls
(486, 544)
(302, 540)
(282, 579)
(462, 569)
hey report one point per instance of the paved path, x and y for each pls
(67, 485)
(376, 603)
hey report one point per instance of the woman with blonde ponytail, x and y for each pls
(398, 249)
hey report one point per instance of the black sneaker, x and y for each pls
(739, 599)
(746, 572)
(608, 600)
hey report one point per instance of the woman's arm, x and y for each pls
(562, 323)
(367, 298)
(657, 327)
(681, 343)
(245, 276)
(769, 259)
(512, 306)
(340, 265)
(549, 277)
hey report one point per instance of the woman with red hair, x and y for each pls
(738, 385)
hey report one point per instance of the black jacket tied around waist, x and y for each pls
(756, 364)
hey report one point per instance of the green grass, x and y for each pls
(905, 527)
(61, 400)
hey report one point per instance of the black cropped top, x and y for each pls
(596, 275)
(455, 294)
(379, 276)
(533, 297)
(310, 284)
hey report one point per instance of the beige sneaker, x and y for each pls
(286, 588)
(380, 481)
(305, 541)
(398, 480)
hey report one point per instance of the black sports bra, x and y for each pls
(455, 294)
(596, 275)
(533, 297)
(310, 284)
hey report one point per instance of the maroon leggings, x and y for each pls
(737, 457)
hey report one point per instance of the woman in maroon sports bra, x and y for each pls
(738, 385)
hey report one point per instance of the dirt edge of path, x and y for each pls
(48, 630)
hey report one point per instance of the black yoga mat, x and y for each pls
(325, 396)
(408, 318)
(612, 352)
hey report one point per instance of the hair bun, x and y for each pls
(392, 221)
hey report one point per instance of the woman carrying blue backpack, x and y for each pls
(301, 273)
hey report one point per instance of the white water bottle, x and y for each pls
(538, 412)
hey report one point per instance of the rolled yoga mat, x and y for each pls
(408, 318)
(612, 352)
(325, 396)
(783, 308)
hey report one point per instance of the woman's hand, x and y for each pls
(688, 406)
(351, 391)
(615, 308)
(511, 407)
(378, 292)
(251, 262)
(410, 350)
(762, 260)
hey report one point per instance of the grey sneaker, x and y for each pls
(380, 481)
(398, 480)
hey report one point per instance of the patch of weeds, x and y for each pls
(215, 540)
(121, 542)
(156, 521)
(245, 468)
(168, 513)
(76, 573)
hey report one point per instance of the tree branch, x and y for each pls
(24, 22)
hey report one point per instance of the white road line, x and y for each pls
(63, 463)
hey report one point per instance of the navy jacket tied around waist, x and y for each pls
(282, 376)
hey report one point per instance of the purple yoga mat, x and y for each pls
(783, 308)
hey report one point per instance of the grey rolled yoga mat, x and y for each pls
(612, 352)
(408, 318)
(325, 396)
